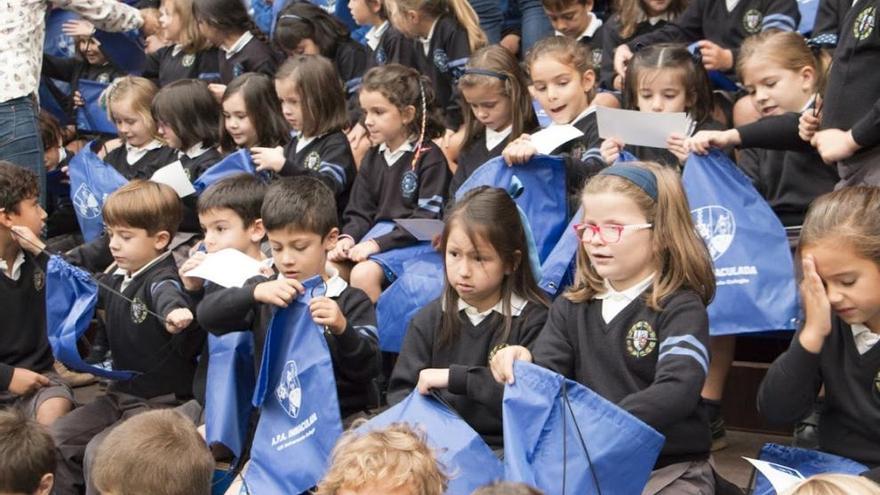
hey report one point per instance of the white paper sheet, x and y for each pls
(227, 267)
(641, 128)
(780, 477)
(554, 136)
(173, 175)
(423, 229)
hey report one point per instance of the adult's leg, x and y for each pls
(491, 18)
(535, 24)
(20, 141)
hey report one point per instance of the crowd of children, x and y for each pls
(347, 133)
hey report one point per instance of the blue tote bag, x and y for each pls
(93, 116)
(230, 390)
(563, 438)
(235, 163)
(807, 462)
(754, 293)
(465, 457)
(55, 42)
(421, 283)
(296, 391)
(124, 50)
(71, 296)
(91, 181)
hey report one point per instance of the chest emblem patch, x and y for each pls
(313, 161)
(864, 25)
(138, 311)
(641, 340)
(188, 60)
(752, 21)
(39, 281)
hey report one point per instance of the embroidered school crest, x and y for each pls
(597, 58)
(103, 78)
(237, 70)
(579, 150)
(864, 25)
(641, 340)
(441, 60)
(39, 280)
(188, 60)
(381, 58)
(313, 161)
(408, 184)
(752, 21)
(138, 311)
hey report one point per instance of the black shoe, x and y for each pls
(97, 355)
(806, 432)
(716, 424)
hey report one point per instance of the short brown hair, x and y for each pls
(188, 107)
(50, 130)
(27, 453)
(392, 457)
(143, 204)
(557, 5)
(16, 185)
(241, 193)
(158, 452)
(320, 93)
(302, 203)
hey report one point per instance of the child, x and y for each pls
(27, 381)
(402, 176)
(836, 347)
(313, 104)
(388, 45)
(446, 32)
(186, 117)
(496, 90)
(394, 460)
(633, 18)
(27, 456)
(781, 75)
(61, 219)
(563, 82)
(575, 19)
(834, 484)
(128, 103)
(252, 114)
(491, 300)
(243, 48)
(634, 327)
(299, 216)
(188, 56)
(665, 78)
(150, 329)
(507, 488)
(154, 452)
(306, 29)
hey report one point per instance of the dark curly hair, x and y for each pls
(16, 185)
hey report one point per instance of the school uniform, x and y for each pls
(483, 147)
(442, 56)
(140, 163)
(849, 368)
(72, 70)
(390, 46)
(388, 186)
(355, 352)
(351, 60)
(652, 364)
(248, 54)
(327, 157)
(829, 17)
(195, 161)
(581, 156)
(61, 218)
(724, 22)
(472, 390)
(611, 39)
(173, 63)
(593, 39)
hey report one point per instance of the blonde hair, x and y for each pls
(847, 215)
(139, 92)
(390, 458)
(787, 49)
(461, 9)
(158, 452)
(680, 255)
(191, 38)
(835, 484)
(143, 204)
(566, 51)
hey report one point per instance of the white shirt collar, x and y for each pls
(238, 45)
(864, 338)
(126, 278)
(808, 104)
(133, 153)
(731, 4)
(391, 157)
(334, 284)
(375, 34)
(302, 142)
(176, 49)
(196, 150)
(592, 27)
(666, 16)
(517, 304)
(493, 138)
(426, 42)
(613, 301)
(15, 273)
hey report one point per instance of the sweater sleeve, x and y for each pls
(686, 29)
(59, 67)
(610, 41)
(362, 203)
(337, 164)
(358, 344)
(553, 348)
(229, 310)
(6, 372)
(459, 53)
(866, 131)
(433, 185)
(774, 133)
(783, 15)
(682, 364)
(415, 353)
(791, 384)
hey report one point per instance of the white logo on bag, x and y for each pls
(289, 391)
(86, 202)
(717, 226)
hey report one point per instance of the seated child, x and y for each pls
(394, 460)
(27, 381)
(299, 215)
(27, 456)
(149, 327)
(157, 452)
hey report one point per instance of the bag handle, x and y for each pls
(580, 437)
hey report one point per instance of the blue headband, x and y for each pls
(642, 177)
(485, 72)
